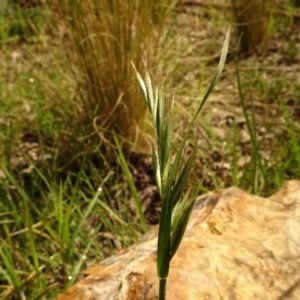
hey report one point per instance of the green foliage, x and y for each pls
(258, 171)
(287, 157)
(172, 178)
(46, 235)
(265, 173)
(25, 23)
(128, 176)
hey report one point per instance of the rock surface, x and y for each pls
(237, 246)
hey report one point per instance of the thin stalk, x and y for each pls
(252, 132)
(162, 288)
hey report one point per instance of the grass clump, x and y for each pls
(46, 238)
(106, 36)
(252, 21)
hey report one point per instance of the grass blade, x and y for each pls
(130, 181)
(180, 218)
(218, 73)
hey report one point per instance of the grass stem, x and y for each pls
(162, 288)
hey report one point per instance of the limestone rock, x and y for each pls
(237, 246)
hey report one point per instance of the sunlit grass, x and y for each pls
(103, 45)
(47, 238)
(173, 175)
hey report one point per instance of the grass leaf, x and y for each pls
(180, 218)
(136, 198)
(218, 73)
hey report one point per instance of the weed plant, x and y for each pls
(172, 174)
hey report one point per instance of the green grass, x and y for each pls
(65, 203)
(57, 229)
(173, 179)
(18, 23)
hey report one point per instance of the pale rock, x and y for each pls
(237, 246)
